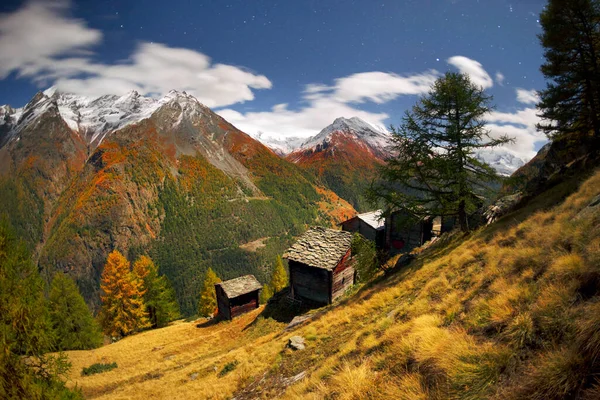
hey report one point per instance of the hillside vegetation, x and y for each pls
(511, 311)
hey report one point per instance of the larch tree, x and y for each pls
(207, 305)
(73, 324)
(279, 279)
(266, 293)
(435, 170)
(123, 311)
(571, 41)
(159, 296)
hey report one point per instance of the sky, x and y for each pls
(281, 68)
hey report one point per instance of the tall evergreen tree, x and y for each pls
(279, 279)
(207, 306)
(435, 171)
(26, 371)
(123, 311)
(159, 296)
(571, 41)
(73, 324)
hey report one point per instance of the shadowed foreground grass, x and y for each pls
(509, 312)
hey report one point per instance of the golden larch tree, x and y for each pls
(279, 280)
(123, 311)
(208, 297)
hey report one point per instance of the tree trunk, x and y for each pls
(462, 217)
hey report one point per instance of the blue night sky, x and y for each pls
(284, 68)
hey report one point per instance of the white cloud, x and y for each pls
(381, 87)
(40, 40)
(31, 36)
(500, 78)
(281, 122)
(527, 96)
(325, 103)
(520, 125)
(474, 69)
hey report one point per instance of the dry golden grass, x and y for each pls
(511, 311)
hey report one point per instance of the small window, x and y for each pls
(343, 280)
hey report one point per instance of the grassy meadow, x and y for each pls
(511, 311)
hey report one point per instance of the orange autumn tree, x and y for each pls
(123, 311)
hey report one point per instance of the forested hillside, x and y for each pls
(181, 185)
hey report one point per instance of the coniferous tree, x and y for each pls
(159, 296)
(279, 279)
(123, 311)
(207, 305)
(435, 171)
(74, 326)
(265, 294)
(26, 371)
(571, 41)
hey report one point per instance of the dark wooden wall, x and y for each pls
(309, 283)
(342, 277)
(244, 303)
(222, 303)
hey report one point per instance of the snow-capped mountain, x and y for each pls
(344, 155)
(503, 161)
(281, 147)
(83, 176)
(91, 118)
(354, 128)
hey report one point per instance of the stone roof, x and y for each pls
(239, 286)
(320, 248)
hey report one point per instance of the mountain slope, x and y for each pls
(508, 312)
(344, 155)
(165, 177)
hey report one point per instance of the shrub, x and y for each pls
(554, 375)
(521, 331)
(98, 368)
(227, 368)
(353, 382)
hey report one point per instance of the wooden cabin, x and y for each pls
(371, 225)
(320, 265)
(404, 231)
(237, 296)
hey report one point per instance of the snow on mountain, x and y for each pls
(94, 118)
(503, 161)
(281, 147)
(355, 128)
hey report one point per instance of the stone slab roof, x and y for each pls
(320, 247)
(239, 286)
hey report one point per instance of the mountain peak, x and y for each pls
(354, 124)
(357, 128)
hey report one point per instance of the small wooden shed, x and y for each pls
(371, 225)
(320, 265)
(237, 296)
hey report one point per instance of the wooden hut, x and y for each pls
(320, 265)
(404, 231)
(237, 296)
(371, 225)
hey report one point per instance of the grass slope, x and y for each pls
(510, 312)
